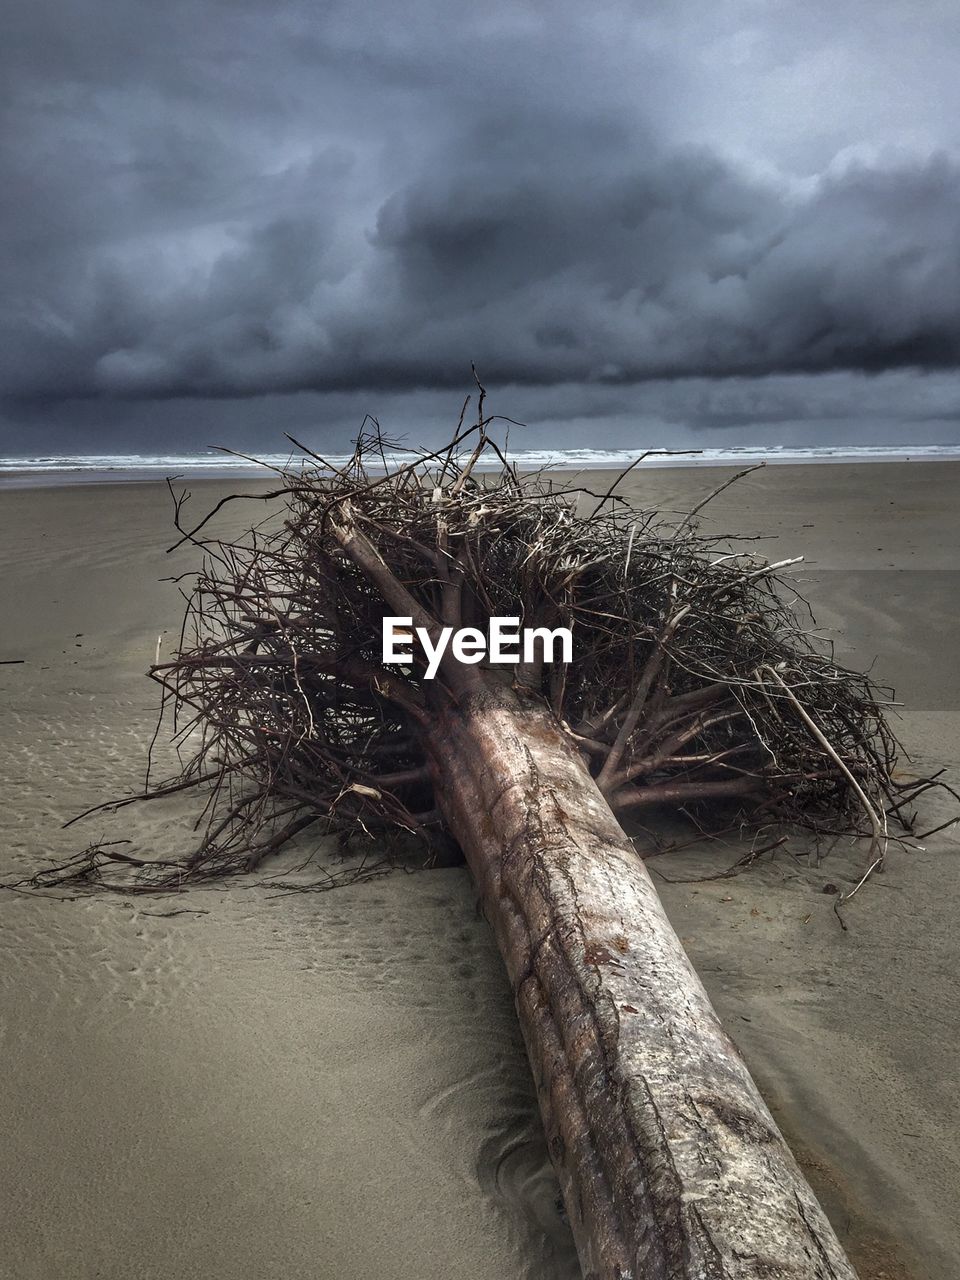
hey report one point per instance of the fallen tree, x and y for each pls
(693, 685)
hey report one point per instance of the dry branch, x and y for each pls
(693, 679)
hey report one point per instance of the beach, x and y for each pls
(238, 1081)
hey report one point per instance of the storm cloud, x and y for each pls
(253, 202)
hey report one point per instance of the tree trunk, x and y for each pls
(668, 1159)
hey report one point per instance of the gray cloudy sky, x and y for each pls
(665, 223)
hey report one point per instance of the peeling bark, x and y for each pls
(670, 1164)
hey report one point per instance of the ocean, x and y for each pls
(52, 469)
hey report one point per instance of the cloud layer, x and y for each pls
(206, 200)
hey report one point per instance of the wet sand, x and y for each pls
(233, 1083)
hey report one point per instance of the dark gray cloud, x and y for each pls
(296, 208)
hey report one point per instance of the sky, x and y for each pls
(680, 223)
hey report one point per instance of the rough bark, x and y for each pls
(669, 1162)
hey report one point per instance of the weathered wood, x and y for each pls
(670, 1164)
(690, 669)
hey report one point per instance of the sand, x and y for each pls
(236, 1083)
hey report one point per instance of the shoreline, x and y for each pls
(37, 479)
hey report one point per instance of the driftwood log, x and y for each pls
(693, 685)
(669, 1162)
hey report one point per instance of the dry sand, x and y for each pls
(333, 1085)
